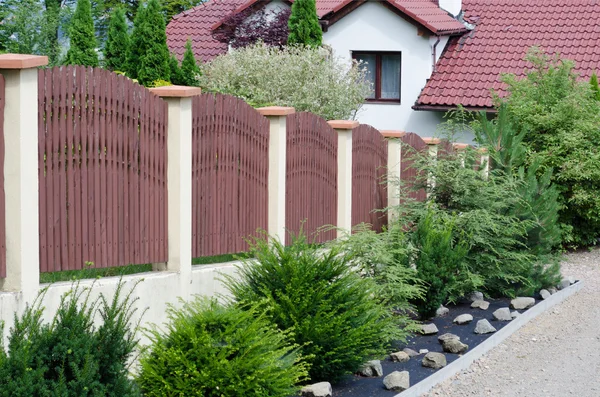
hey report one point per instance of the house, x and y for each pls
(426, 56)
(400, 39)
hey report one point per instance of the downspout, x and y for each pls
(434, 55)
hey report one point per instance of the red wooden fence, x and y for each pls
(369, 167)
(2, 197)
(311, 188)
(412, 145)
(102, 170)
(230, 174)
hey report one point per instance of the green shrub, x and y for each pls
(212, 350)
(335, 315)
(304, 26)
(560, 119)
(441, 262)
(82, 37)
(308, 79)
(117, 42)
(69, 356)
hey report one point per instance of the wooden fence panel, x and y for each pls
(230, 166)
(102, 170)
(412, 145)
(311, 182)
(369, 167)
(2, 196)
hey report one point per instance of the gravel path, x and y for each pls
(555, 355)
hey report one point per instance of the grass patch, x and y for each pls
(90, 272)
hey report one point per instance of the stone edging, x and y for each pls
(498, 337)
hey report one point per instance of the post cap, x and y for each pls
(343, 124)
(460, 146)
(482, 150)
(432, 141)
(22, 61)
(176, 91)
(392, 133)
(276, 111)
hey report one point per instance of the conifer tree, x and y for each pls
(148, 55)
(189, 67)
(595, 86)
(176, 74)
(82, 50)
(304, 24)
(117, 43)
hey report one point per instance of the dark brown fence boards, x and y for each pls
(311, 188)
(230, 174)
(2, 196)
(412, 145)
(102, 169)
(369, 167)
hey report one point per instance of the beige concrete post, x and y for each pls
(344, 205)
(394, 171)
(179, 180)
(460, 148)
(432, 143)
(21, 184)
(277, 116)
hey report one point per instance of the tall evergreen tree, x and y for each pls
(148, 55)
(304, 24)
(117, 43)
(595, 86)
(189, 67)
(82, 50)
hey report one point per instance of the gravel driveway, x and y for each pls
(557, 354)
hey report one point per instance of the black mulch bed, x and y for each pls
(357, 386)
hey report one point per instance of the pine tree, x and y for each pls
(117, 44)
(82, 50)
(304, 24)
(176, 74)
(148, 55)
(595, 86)
(189, 67)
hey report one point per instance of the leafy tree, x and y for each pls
(304, 24)
(117, 44)
(82, 50)
(560, 119)
(148, 55)
(189, 67)
(595, 86)
(21, 27)
(269, 27)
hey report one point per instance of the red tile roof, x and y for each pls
(197, 23)
(505, 29)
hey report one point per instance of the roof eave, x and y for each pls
(446, 108)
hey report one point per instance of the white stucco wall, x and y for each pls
(373, 27)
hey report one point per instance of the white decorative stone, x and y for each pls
(454, 346)
(463, 319)
(475, 296)
(515, 314)
(564, 283)
(397, 381)
(423, 351)
(434, 360)
(410, 352)
(447, 336)
(502, 314)
(483, 305)
(400, 357)
(545, 294)
(429, 329)
(371, 368)
(522, 303)
(442, 311)
(322, 389)
(484, 327)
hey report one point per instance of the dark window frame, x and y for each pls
(378, 64)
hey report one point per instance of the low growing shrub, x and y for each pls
(70, 356)
(308, 79)
(337, 318)
(212, 350)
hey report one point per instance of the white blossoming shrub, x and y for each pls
(308, 79)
